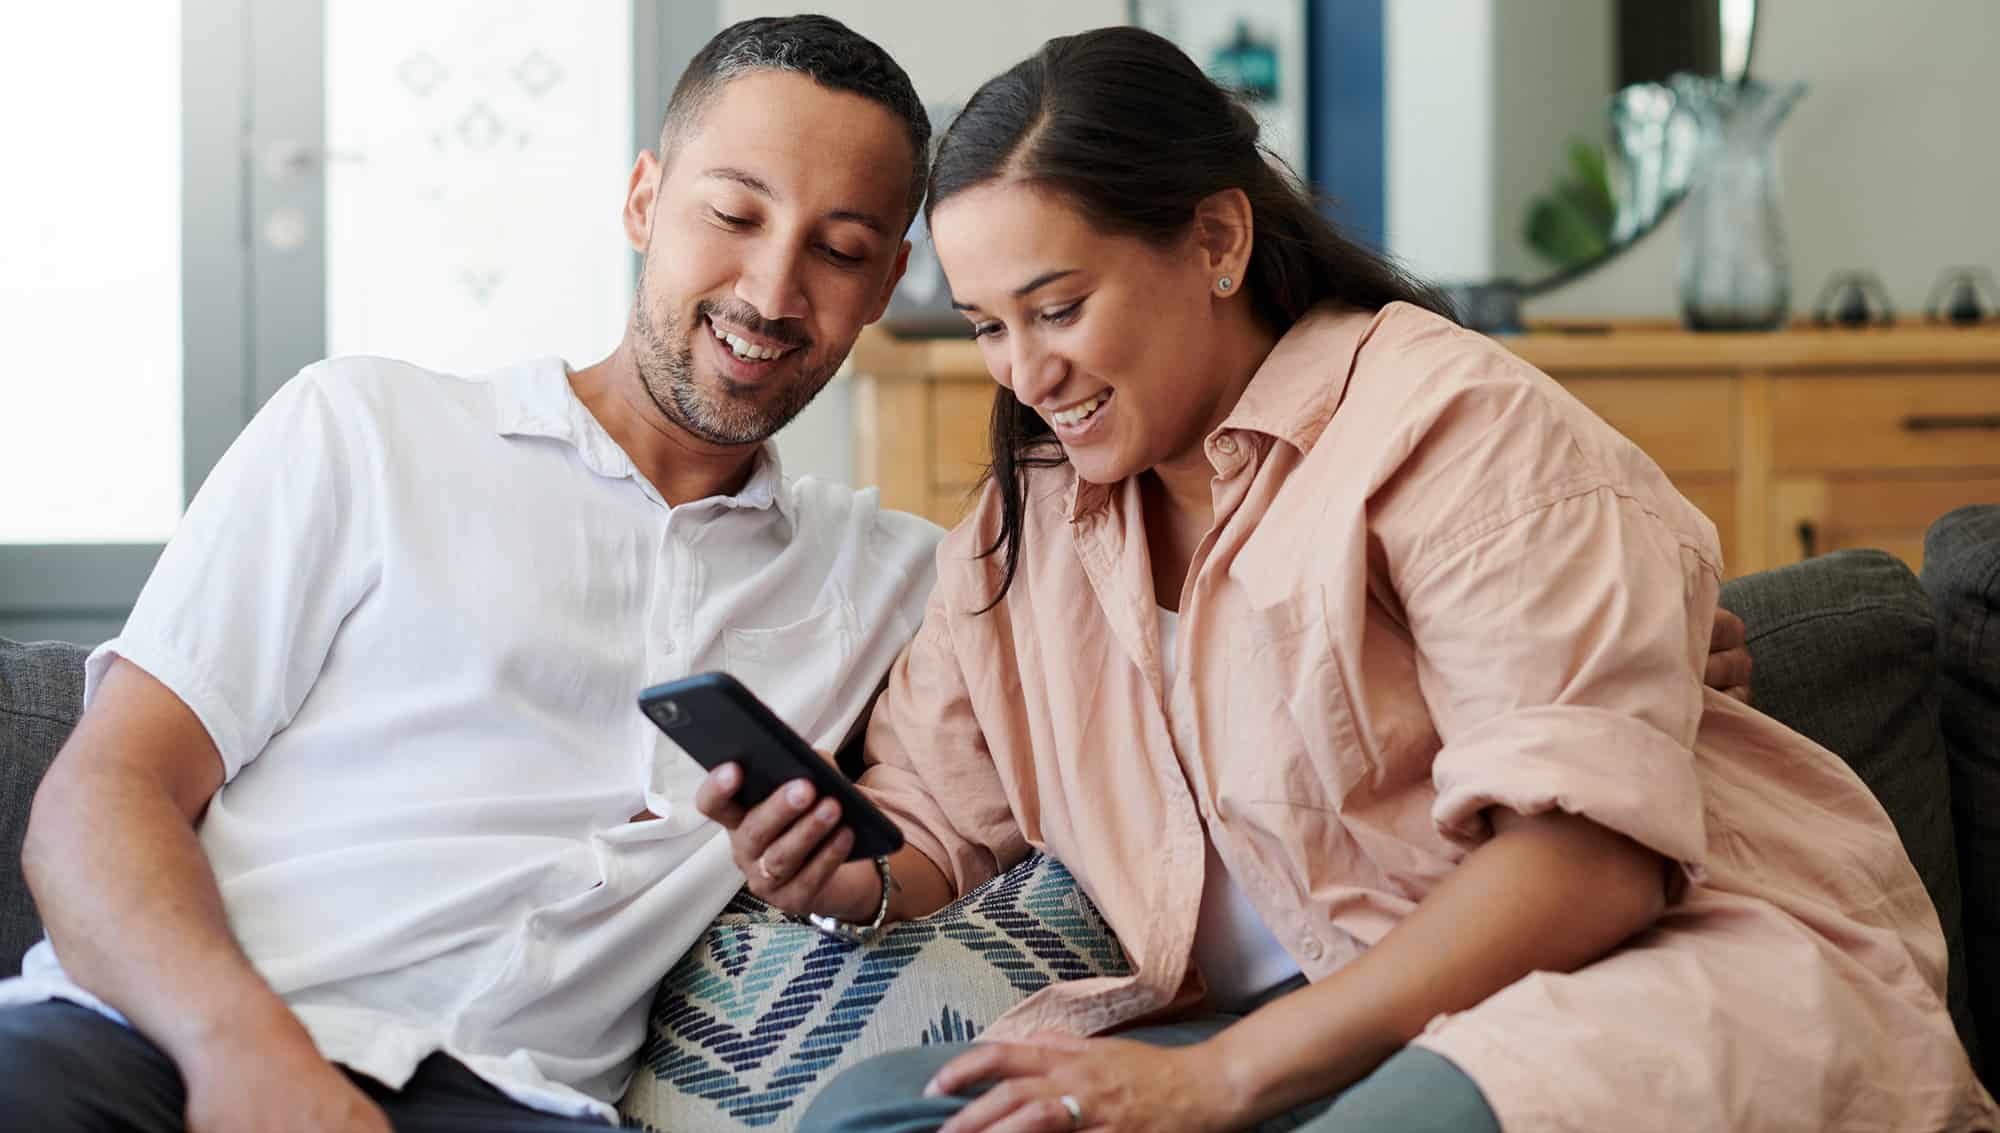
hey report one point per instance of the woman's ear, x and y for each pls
(1224, 231)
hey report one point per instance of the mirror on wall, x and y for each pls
(1529, 141)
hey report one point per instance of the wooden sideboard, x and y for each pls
(1794, 442)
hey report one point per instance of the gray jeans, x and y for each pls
(1415, 1091)
(67, 1069)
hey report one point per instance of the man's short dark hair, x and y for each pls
(822, 49)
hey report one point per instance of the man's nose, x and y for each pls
(771, 282)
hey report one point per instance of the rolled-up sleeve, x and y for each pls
(929, 766)
(1558, 654)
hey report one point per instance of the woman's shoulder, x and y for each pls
(1458, 433)
(1416, 373)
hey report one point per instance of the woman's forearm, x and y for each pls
(1549, 893)
(920, 889)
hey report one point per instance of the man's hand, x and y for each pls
(249, 1083)
(1728, 657)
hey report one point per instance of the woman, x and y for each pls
(1354, 669)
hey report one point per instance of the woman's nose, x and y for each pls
(1036, 372)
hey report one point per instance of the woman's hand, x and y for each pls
(1115, 1084)
(791, 848)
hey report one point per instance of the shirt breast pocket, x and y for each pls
(1291, 724)
(797, 668)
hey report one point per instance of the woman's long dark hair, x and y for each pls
(1123, 125)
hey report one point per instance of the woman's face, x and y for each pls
(1110, 339)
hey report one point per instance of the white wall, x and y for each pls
(1437, 137)
(1889, 163)
(948, 47)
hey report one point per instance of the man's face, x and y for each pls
(774, 235)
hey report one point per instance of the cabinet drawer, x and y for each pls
(1854, 423)
(960, 413)
(1820, 514)
(1685, 424)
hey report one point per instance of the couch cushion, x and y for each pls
(764, 1010)
(1844, 653)
(41, 695)
(1962, 575)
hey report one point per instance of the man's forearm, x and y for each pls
(132, 906)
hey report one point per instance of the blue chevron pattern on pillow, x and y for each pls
(764, 1010)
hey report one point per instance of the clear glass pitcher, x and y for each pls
(1735, 272)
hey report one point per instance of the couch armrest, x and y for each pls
(1962, 576)
(41, 695)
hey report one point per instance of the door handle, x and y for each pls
(285, 161)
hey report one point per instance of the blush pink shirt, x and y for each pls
(1436, 584)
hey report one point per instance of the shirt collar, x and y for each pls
(1292, 395)
(1302, 381)
(535, 399)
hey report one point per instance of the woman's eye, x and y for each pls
(731, 221)
(1062, 314)
(985, 330)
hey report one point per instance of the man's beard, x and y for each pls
(735, 416)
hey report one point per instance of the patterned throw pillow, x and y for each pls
(763, 1011)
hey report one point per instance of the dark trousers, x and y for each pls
(67, 1069)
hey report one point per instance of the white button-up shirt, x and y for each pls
(413, 611)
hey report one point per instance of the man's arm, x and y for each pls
(1728, 665)
(133, 909)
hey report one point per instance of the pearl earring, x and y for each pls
(1225, 283)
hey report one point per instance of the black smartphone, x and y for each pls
(716, 720)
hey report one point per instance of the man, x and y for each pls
(362, 828)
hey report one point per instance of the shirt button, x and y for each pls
(1312, 948)
(1226, 445)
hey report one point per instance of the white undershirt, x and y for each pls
(1237, 955)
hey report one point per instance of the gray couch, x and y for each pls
(1901, 677)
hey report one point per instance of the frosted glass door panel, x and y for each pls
(477, 154)
(90, 283)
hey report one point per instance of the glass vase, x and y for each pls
(1735, 272)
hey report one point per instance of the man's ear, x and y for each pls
(641, 194)
(1224, 232)
(896, 271)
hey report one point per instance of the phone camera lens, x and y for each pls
(671, 715)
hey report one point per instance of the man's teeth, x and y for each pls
(1076, 414)
(746, 350)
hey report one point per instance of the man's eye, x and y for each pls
(843, 258)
